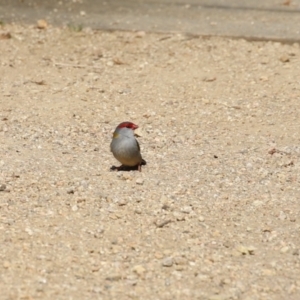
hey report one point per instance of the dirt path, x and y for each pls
(214, 214)
(253, 20)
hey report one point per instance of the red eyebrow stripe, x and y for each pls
(128, 125)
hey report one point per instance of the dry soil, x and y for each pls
(213, 215)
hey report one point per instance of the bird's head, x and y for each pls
(128, 125)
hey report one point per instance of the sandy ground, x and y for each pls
(213, 215)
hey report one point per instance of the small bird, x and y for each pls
(126, 148)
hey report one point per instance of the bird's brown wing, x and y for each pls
(143, 161)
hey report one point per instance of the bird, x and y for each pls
(126, 148)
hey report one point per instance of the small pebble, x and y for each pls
(29, 231)
(179, 216)
(284, 58)
(282, 216)
(201, 219)
(139, 181)
(162, 223)
(126, 176)
(140, 34)
(41, 24)
(74, 207)
(114, 277)
(5, 36)
(122, 202)
(187, 209)
(245, 250)
(284, 249)
(139, 270)
(167, 262)
(70, 190)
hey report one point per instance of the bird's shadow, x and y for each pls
(127, 168)
(124, 168)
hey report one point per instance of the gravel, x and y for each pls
(215, 212)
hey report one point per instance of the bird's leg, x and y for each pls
(139, 168)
